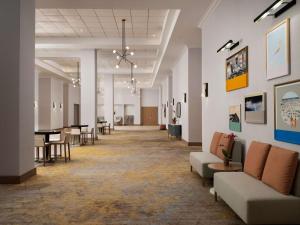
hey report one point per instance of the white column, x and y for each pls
(36, 100)
(88, 88)
(109, 99)
(17, 90)
(160, 108)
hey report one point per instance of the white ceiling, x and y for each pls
(67, 25)
(99, 22)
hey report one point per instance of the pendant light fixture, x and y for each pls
(76, 81)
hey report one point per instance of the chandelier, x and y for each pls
(122, 56)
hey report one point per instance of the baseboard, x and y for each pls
(17, 179)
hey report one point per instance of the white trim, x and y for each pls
(210, 10)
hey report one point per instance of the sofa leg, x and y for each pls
(216, 196)
(191, 168)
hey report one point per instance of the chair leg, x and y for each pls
(191, 168)
(69, 151)
(44, 155)
(65, 151)
(55, 152)
(216, 196)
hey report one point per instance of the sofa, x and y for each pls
(199, 160)
(268, 190)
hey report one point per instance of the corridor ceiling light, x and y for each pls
(124, 53)
(276, 9)
(135, 66)
(229, 45)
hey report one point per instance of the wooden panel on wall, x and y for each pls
(149, 116)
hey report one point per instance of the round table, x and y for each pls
(220, 167)
(79, 126)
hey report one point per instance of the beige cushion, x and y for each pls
(280, 169)
(255, 202)
(224, 143)
(215, 142)
(200, 160)
(256, 158)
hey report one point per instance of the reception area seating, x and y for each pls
(268, 190)
(199, 160)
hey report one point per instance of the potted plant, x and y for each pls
(174, 120)
(227, 152)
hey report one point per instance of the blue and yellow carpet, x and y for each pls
(127, 178)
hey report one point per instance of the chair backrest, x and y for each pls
(67, 138)
(39, 141)
(55, 137)
(75, 131)
(238, 152)
(84, 129)
(92, 130)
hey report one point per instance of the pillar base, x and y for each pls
(17, 179)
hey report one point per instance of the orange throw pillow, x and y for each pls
(256, 158)
(215, 142)
(280, 169)
(224, 143)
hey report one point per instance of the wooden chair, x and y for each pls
(75, 133)
(39, 142)
(63, 142)
(85, 135)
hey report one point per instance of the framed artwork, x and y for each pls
(255, 108)
(278, 50)
(237, 70)
(178, 110)
(235, 118)
(287, 112)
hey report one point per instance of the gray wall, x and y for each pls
(233, 19)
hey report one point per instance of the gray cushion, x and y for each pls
(255, 202)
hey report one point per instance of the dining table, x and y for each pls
(47, 134)
(80, 126)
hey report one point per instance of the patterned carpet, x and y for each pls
(134, 178)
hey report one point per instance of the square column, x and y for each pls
(17, 90)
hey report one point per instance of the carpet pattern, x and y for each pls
(127, 178)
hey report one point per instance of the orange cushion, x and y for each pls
(215, 142)
(256, 158)
(224, 143)
(280, 169)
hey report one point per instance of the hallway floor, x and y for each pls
(136, 178)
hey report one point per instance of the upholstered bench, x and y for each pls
(199, 160)
(256, 195)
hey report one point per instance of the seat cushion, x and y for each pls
(225, 143)
(215, 142)
(255, 202)
(280, 169)
(200, 160)
(256, 158)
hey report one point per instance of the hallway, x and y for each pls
(138, 178)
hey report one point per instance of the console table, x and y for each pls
(174, 130)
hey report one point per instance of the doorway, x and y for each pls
(149, 116)
(76, 114)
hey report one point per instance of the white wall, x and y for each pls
(149, 97)
(36, 100)
(73, 98)
(233, 19)
(109, 99)
(57, 98)
(180, 86)
(130, 103)
(194, 99)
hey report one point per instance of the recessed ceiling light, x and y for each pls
(117, 66)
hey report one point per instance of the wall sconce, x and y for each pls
(229, 45)
(53, 105)
(184, 97)
(167, 104)
(276, 9)
(35, 104)
(173, 101)
(60, 106)
(204, 90)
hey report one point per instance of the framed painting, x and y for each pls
(237, 70)
(278, 50)
(287, 112)
(235, 118)
(255, 108)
